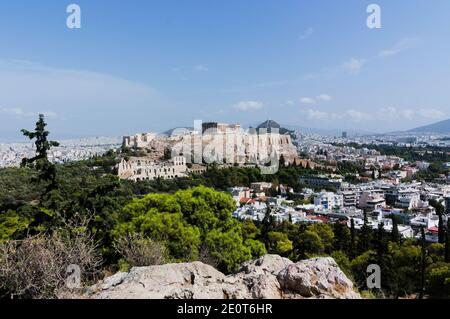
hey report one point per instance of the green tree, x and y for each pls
(228, 248)
(268, 225)
(344, 263)
(365, 237)
(423, 263)
(440, 211)
(447, 243)
(359, 267)
(342, 237)
(279, 243)
(406, 261)
(12, 225)
(352, 239)
(249, 230)
(395, 235)
(311, 244)
(325, 232)
(438, 283)
(40, 162)
(192, 219)
(257, 248)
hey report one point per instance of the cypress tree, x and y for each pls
(422, 263)
(46, 169)
(342, 237)
(441, 229)
(352, 239)
(447, 242)
(440, 210)
(365, 237)
(395, 235)
(268, 224)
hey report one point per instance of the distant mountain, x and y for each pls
(439, 127)
(178, 130)
(270, 124)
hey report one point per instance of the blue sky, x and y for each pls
(152, 65)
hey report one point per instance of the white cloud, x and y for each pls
(356, 116)
(16, 111)
(403, 45)
(314, 100)
(316, 115)
(248, 105)
(411, 114)
(19, 112)
(350, 115)
(307, 100)
(200, 68)
(385, 114)
(354, 66)
(431, 114)
(324, 97)
(306, 34)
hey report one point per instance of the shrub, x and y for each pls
(140, 251)
(39, 266)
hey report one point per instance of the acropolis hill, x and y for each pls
(206, 143)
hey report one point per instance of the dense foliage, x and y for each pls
(436, 156)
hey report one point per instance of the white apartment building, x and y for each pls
(428, 221)
(329, 200)
(408, 202)
(371, 200)
(260, 186)
(350, 198)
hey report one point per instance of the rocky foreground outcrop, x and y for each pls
(270, 277)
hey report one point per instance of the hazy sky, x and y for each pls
(152, 65)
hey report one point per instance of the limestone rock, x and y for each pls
(317, 277)
(269, 277)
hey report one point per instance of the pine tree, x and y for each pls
(447, 242)
(440, 211)
(268, 224)
(441, 229)
(46, 169)
(365, 237)
(381, 244)
(342, 237)
(385, 261)
(352, 239)
(395, 235)
(423, 264)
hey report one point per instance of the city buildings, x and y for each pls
(329, 200)
(11, 154)
(322, 181)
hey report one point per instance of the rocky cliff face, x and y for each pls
(270, 277)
